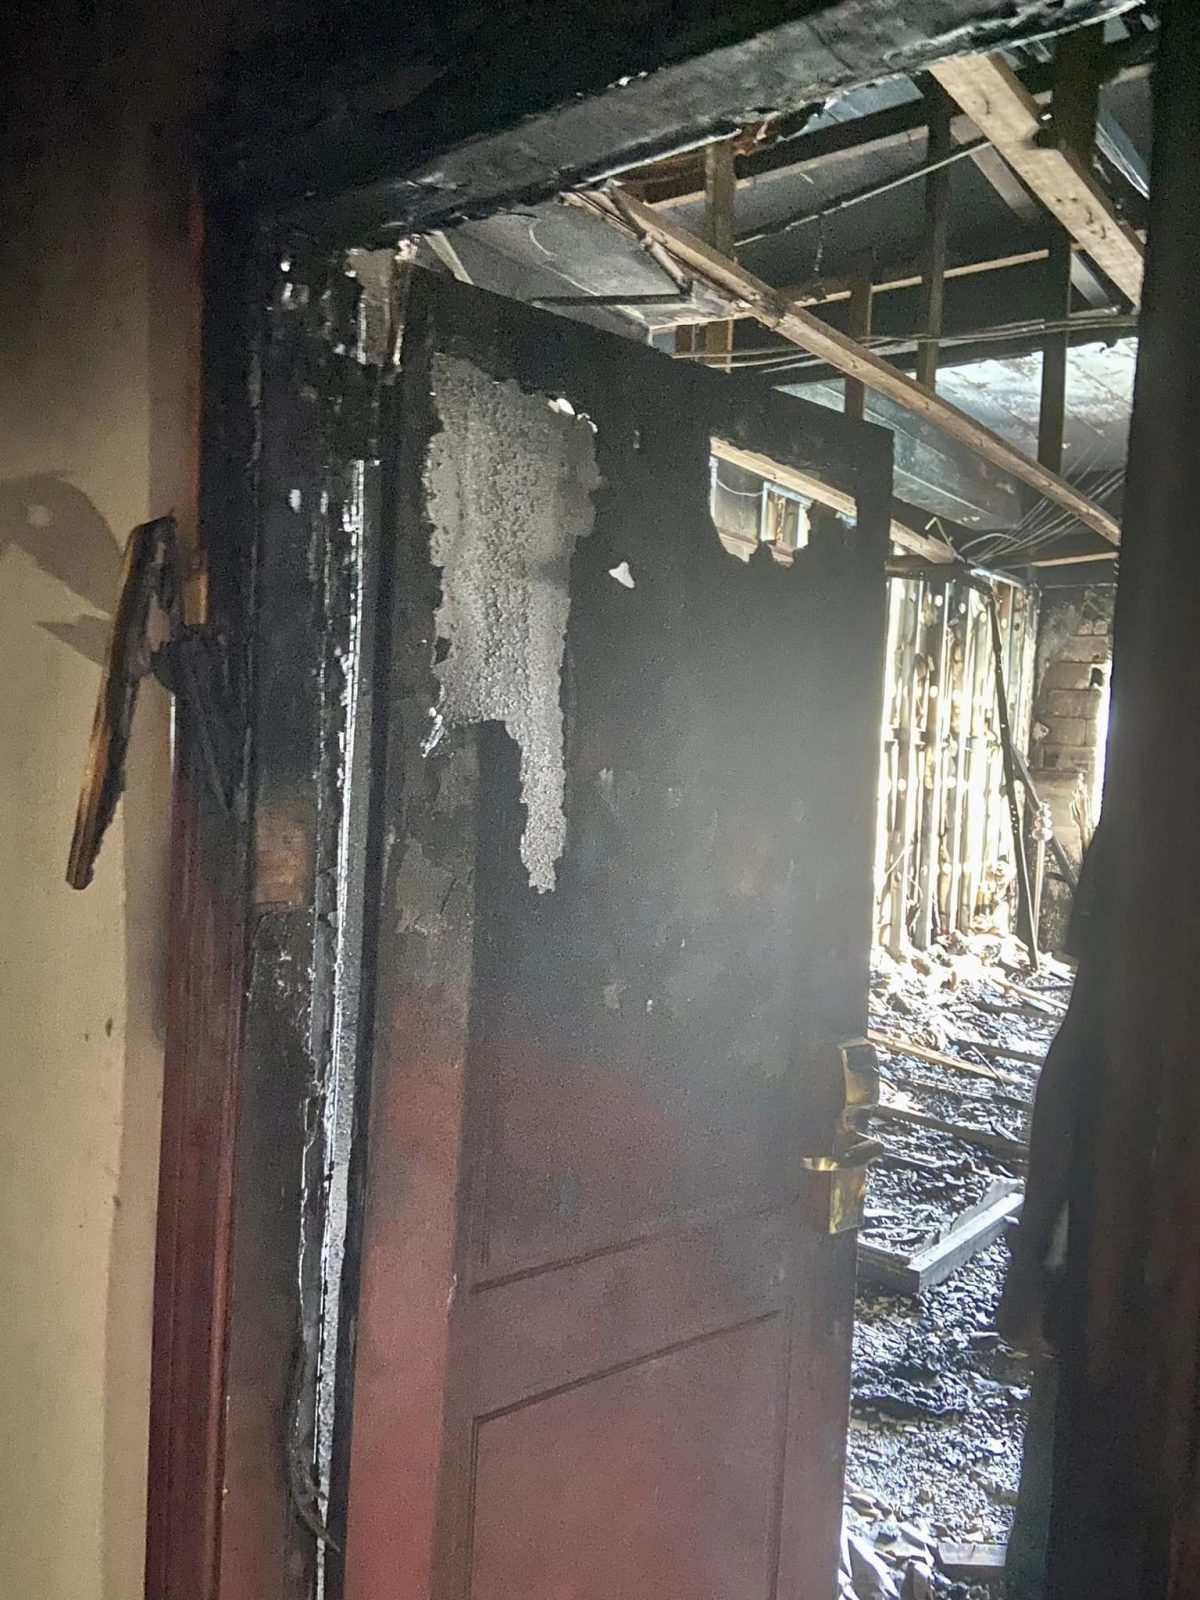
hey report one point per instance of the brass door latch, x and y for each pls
(835, 1185)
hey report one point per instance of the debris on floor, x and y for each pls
(938, 1402)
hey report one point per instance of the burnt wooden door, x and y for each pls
(623, 818)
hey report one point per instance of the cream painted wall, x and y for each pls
(83, 420)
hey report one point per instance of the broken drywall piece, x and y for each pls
(622, 574)
(870, 1576)
(509, 484)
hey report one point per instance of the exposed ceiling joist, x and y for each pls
(990, 93)
(905, 275)
(800, 327)
(814, 488)
(679, 180)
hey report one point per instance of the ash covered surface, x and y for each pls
(938, 1406)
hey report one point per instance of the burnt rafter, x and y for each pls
(779, 146)
(992, 96)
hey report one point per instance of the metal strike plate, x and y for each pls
(834, 1188)
(860, 1078)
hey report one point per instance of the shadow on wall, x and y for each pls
(59, 528)
(46, 520)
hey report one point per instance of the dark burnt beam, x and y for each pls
(1125, 1518)
(1052, 406)
(1075, 100)
(654, 78)
(937, 234)
(719, 195)
(858, 325)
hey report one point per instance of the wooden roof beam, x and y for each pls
(793, 323)
(990, 93)
(903, 275)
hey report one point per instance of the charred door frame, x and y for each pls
(206, 968)
(254, 912)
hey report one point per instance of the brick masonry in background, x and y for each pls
(1075, 649)
(1089, 647)
(1068, 734)
(1070, 675)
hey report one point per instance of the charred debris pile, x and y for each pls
(938, 1402)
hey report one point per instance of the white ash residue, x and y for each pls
(509, 484)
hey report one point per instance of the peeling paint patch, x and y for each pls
(422, 889)
(509, 483)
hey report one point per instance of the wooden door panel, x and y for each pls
(549, 1330)
(658, 1476)
(600, 1354)
(592, 1150)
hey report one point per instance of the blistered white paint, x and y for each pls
(509, 482)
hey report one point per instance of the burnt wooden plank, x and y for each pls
(937, 235)
(936, 1262)
(1011, 1149)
